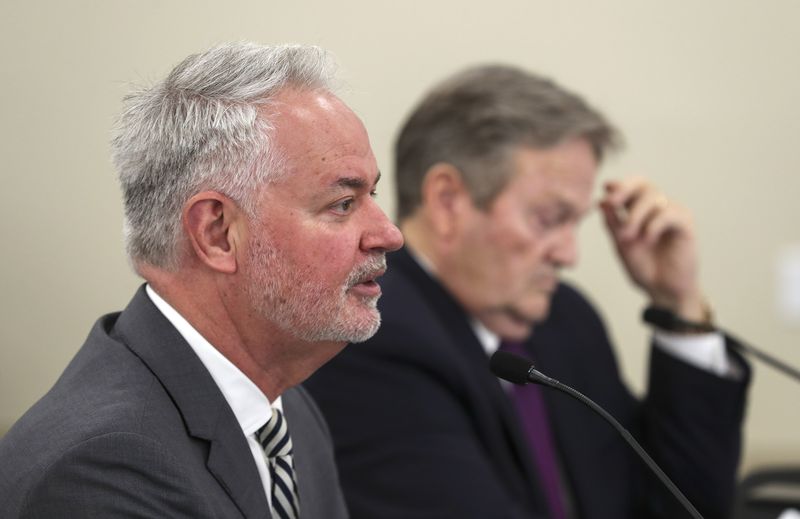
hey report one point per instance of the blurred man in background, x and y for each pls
(495, 169)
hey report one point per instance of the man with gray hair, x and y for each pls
(495, 169)
(248, 189)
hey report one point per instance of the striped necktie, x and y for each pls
(274, 438)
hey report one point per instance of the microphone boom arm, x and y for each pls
(507, 366)
(540, 378)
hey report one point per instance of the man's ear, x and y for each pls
(444, 197)
(213, 223)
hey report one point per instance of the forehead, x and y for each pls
(315, 127)
(565, 172)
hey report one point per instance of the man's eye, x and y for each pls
(549, 221)
(552, 219)
(344, 206)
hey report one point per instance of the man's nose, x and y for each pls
(381, 235)
(564, 249)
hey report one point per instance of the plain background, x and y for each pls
(706, 93)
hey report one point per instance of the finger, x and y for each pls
(674, 220)
(621, 193)
(614, 224)
(612, 221)
(642, 210)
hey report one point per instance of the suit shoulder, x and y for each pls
(95, 475)
(104, 390)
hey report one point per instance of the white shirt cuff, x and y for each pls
(704, 351)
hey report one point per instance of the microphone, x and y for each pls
(666, 320)
(519, 370)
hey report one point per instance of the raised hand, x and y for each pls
(655, 239)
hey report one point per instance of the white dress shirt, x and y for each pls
(704, 351)
(250, 406)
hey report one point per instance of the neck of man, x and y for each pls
(418, 239)
(272, 358)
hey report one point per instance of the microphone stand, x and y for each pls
(666, 320)
(745, 348)
(511, 367)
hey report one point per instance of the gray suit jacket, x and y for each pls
(136, 426)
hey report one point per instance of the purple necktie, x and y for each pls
(533, 415)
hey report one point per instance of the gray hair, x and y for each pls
(473, 121)
(204, 127)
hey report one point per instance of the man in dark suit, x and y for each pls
(495, 170)
(247, 186)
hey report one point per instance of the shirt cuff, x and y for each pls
(704, 351)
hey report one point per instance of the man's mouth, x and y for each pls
(367, 287)
(365, 283)
(369, 276)
(546, 284)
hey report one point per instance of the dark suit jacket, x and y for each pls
(136, 426)
(423, 430)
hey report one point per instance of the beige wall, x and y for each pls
(708, 94)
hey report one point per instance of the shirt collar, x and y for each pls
(250, 406)
(488, 339)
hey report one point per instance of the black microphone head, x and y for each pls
(510, 367)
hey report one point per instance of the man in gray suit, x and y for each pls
(248, 211)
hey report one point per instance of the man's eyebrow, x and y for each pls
(355, 182)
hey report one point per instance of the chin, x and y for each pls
(543, 314)
(364, 326)
(535, 311)
(511, 329)
(520, 333)
(518, 328)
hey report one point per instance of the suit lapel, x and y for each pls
(207, 415)
(228, 463)
(561, 348)
(470, 354)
